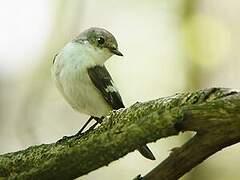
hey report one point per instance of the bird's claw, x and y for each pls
(67, 138)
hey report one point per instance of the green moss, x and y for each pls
(121, 132)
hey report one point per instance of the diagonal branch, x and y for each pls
(212, 113)
(217, 125)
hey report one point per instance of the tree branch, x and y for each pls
(212, 113)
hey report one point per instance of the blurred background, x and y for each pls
(169, 46)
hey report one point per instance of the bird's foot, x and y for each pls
(81, 133)
(67, 138)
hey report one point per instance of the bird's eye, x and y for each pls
(100, 40)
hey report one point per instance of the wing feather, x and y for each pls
(104, 83)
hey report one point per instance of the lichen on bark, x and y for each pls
(125, 130)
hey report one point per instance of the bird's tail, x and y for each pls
(146, 152)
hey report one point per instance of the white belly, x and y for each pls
(77, 88)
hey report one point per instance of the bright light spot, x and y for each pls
(24, 28)
(208, 39)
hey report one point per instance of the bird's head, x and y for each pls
(99, 41)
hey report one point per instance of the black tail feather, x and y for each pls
(146, 152)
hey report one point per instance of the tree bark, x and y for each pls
(214, 114)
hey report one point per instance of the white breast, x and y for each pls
(70, 75)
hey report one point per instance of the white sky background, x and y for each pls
(24, 28)
(151, 66)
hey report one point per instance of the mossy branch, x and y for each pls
(214, 114)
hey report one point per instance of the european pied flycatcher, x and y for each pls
(80, 75)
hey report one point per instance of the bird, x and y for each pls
(80, 75)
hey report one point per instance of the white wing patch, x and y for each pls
(111, 88)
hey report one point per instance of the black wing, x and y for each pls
(54, 58)
(104, 83)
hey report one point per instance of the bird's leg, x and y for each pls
(79, 134)
(99, 121)
(92, 127)
(84, 126)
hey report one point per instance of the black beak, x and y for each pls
(115, 51)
